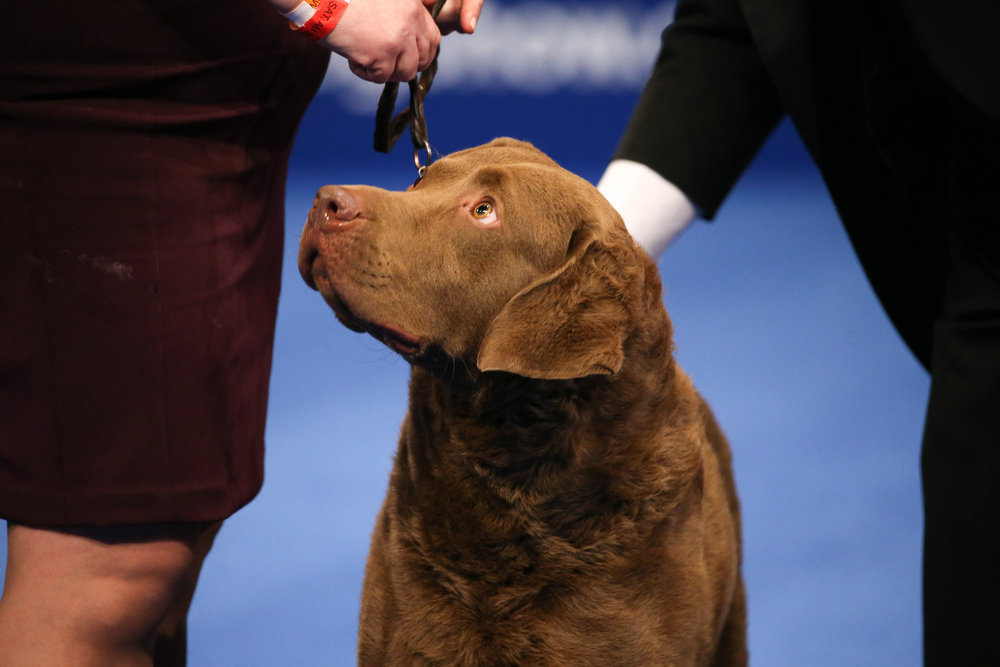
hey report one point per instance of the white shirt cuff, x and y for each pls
(655, 211)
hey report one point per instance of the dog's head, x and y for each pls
(497, 259)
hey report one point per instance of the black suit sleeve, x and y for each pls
(708, 106)
(961, 41)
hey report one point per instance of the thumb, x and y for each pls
(470, 15)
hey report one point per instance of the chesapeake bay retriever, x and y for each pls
(561, 494)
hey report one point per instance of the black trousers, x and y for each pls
(961, 447)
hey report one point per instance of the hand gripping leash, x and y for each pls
(388, 128)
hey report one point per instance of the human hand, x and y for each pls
(460, 15)
(386, 40)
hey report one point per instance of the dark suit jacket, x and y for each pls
(872, 88)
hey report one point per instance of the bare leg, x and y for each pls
(93, 596)
(170, 648)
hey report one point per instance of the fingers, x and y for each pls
(406, 66)
(426, 50)
(470, 15)
(386, 40)
(427, 41)
(460, 15)
(367, 72)
(471, 9)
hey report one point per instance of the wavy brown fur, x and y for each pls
(561, 494)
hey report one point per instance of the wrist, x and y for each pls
(300, 12)
(315, 19)
(284, 6)
(655, 211)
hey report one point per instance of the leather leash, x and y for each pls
(388, 128)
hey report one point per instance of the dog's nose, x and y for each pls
(335, 206)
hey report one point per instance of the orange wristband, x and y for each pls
(324, 20)
(302, 13)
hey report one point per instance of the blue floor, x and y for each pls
(774, 320)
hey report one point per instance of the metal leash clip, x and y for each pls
(421, 168)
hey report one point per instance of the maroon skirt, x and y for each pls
(143, 154)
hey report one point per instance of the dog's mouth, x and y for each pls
(425, 353)
(316, 275)
(399, 341)
(404, 344)
(396, 340)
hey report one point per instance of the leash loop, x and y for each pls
(421, 168)
(389, 128)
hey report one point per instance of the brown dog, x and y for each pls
(561, 494)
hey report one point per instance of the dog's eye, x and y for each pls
(485, 212)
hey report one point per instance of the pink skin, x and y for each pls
(392, 40)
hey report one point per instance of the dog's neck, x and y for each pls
(558, 451)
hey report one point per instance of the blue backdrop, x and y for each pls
(774, 320)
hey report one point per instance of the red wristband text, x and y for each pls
(324, 20)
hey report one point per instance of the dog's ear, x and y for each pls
(568, 324)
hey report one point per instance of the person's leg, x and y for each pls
(961, 479)
(170, 648)
(92, 596)
(961, 448)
